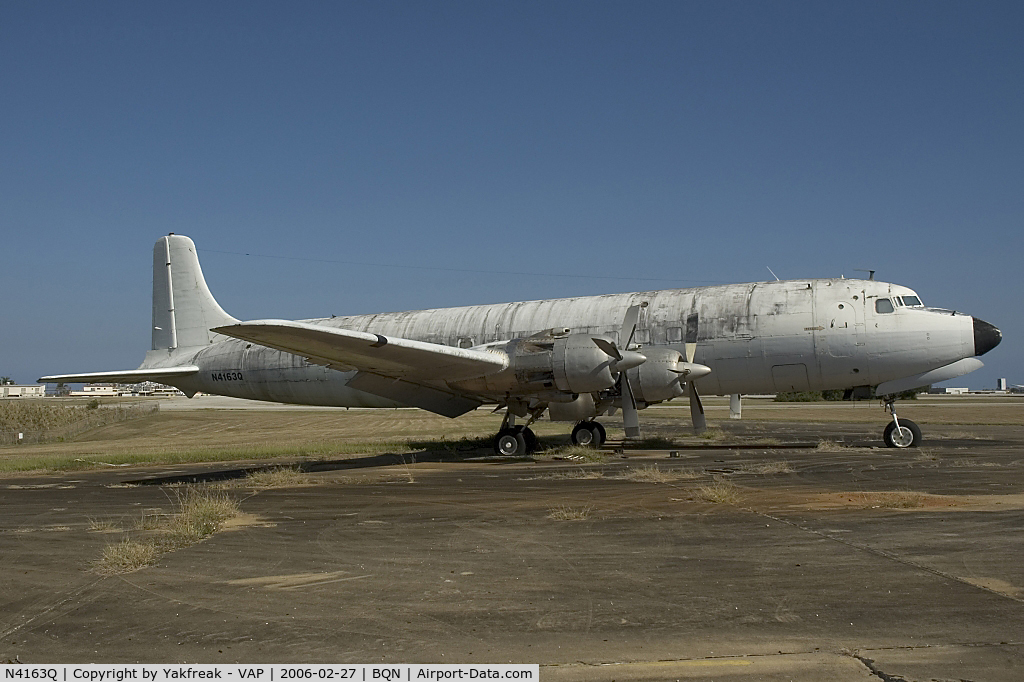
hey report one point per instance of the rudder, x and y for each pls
(184, 310)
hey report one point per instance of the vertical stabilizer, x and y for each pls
(184, 310)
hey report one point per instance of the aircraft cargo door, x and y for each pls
(839, 332)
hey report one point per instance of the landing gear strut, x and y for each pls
(515, 440)
(589, 434)
(900, 433)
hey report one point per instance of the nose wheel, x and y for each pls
(900, 433)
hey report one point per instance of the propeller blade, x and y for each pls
(691, 349)
(608, 347)
(629, 323)
(700, 423)
(630, 418)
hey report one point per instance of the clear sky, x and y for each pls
(635, 145)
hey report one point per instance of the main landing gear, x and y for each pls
(512, 439)
(900, 433)
(589, 434)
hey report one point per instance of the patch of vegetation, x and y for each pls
(567, 513)
(719, 492)
(104, 526)
(826, 445)
(200, 514)
(280, 477)
(768, 468)
(650, 473)
(713, 434)
(127, 556)
(576, 453)
(571, 475)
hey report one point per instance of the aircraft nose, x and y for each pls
(986, 337)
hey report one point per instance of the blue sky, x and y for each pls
(640, 145)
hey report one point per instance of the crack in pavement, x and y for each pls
(884, 554)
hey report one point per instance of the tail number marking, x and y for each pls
(226, 376)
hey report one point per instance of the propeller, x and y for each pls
(700, 422)
(625, 359)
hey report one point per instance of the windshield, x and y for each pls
(912, 301)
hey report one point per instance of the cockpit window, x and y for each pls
(911, 300)
(884, 305)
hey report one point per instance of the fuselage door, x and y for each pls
(838, 331)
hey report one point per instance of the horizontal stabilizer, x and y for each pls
(126, 376)
(951, 371)
(389, 356)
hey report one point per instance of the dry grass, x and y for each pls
(571, 475)
(899, 499)
(713, 434)
(201, 513)
(826, 445)
(957, 435)
(650, 473)
(576, 453)
(127, 556)
(104, 526)
(281, 477)
(565, 512)
(719, 492)
(768, 468)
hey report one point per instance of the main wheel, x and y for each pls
(587, 434)
(599, 433)
(510, 442)
(529, 437)
(908, 436)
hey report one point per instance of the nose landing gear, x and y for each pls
(900, 433)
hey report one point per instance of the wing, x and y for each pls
(387, 356)
(126, 375)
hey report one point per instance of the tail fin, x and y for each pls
(184, 310)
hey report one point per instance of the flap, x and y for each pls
(387, 356)
(127, 376)
(415, 395)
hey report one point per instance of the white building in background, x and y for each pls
(99, 391)
(146, 388)
(1001, 385)
(22, 391)
(947, 390)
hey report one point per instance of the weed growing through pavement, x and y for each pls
(826, 445)
(200, 514)
(565, 512)
(719, 492)
(650, 473)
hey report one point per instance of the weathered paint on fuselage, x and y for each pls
(757, 338)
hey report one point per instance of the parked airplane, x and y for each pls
(575, 358)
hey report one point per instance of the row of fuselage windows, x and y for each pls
(886, 305)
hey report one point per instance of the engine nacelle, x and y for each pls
(545, 363)
(658, 379)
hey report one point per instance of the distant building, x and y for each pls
(1001, 385)
(944, 390)
(22, 391)
(98, 391)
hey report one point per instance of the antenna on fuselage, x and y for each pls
(871, 273)
(773, 274)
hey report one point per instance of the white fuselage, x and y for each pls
(799, 335)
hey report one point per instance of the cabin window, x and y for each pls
(466, 342)
(674, 334)
(884, 305)
(642, 336)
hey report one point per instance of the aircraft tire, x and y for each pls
(529, 437)
(587, 434)
(894, 440)
(600, 436)
(509, 443)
